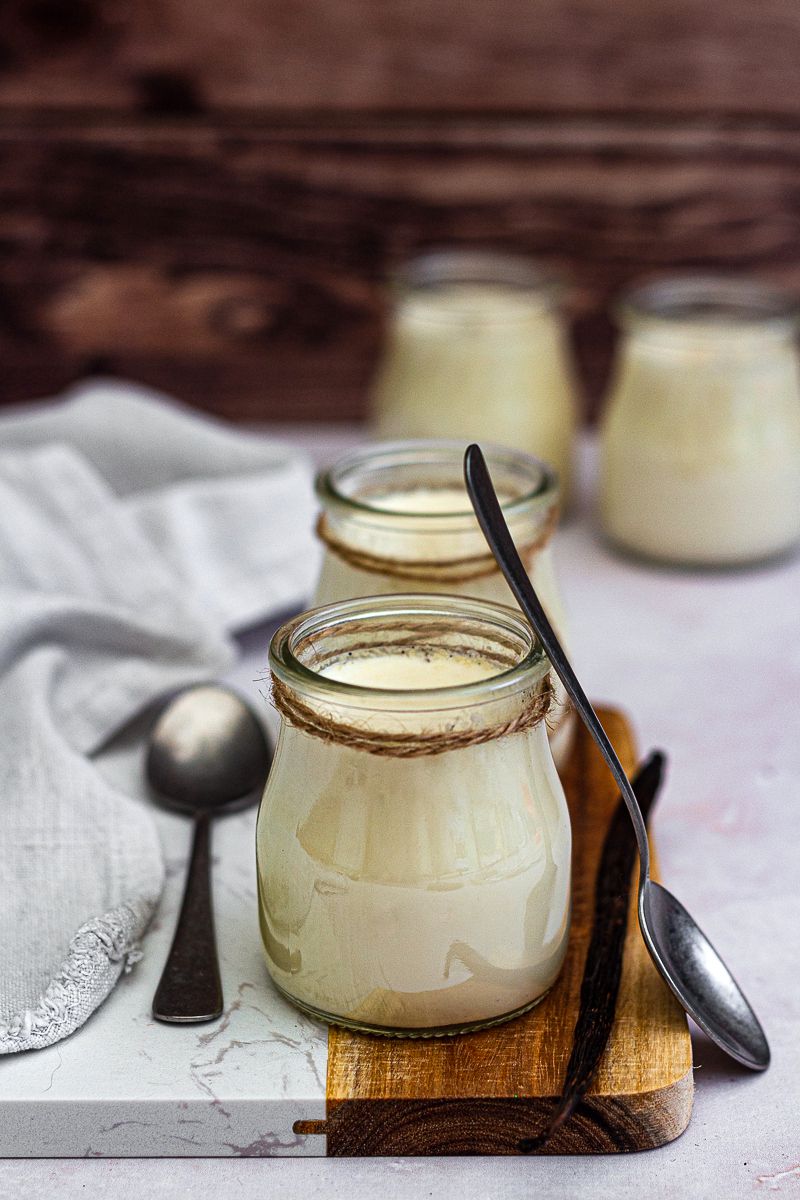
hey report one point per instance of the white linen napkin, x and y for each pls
(134, 538)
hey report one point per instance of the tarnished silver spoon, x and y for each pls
(207, 754)
(688, 963)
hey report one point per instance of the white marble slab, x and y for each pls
(125, 1084)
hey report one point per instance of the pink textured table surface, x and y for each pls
(708, 665)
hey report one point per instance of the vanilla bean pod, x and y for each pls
(603, 968)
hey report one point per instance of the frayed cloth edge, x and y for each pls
(101, 950)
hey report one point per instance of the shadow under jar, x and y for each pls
(477, 347)
(700, 441)
(413, 842)
(396, 517)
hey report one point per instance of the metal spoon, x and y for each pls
(689, 964)
(207, 753)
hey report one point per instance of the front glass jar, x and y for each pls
(701, 435)
(413, 842)
(396, 517)
(477, 349)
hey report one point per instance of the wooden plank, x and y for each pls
(481, 1093)
(455, 55)
(240, 266)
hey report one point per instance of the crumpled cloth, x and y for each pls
(135, 537)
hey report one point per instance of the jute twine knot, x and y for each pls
(453, 570)
(406, 745)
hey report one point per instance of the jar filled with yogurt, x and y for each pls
(396, 517)
(701, 436)
(477, 348)
(413, 842)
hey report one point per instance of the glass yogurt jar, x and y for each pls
(396, 518)
(413, 842)
(701, 435)
(477, 346)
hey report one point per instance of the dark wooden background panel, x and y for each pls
(550, 56)
(242, 267)
(208, 197)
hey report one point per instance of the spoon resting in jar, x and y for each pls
(688, 963)
(207, 754)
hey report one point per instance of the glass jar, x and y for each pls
(396, 517)
(477, 349)
(413, 842)
(701, 436)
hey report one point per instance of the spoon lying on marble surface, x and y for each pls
(688, 963)
(207, 754)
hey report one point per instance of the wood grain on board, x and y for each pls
(481, 1093)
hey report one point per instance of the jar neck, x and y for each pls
(706, 342)
(442, 636)
(473, 289)
(402, 509)
(704, 316)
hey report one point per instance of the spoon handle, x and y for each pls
(190, 989)
(493, 523)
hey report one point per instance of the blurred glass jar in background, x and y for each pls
(701, 435)
(396, 518)
(477, 349)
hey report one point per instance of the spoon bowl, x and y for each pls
(687, 961)
(699, 979)
(207, 754)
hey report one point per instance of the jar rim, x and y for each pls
(442, 452)
(707, 301)
(466, 264)
(528, 672)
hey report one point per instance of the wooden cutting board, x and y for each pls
(480, 1093)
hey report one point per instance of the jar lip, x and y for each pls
(442, 452)
(441, 286)
(465, 264)
(707, 301)
(526, 673)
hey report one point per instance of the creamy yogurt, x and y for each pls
(409, 672)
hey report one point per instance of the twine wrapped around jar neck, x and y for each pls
(454, 570)
(405, 745)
